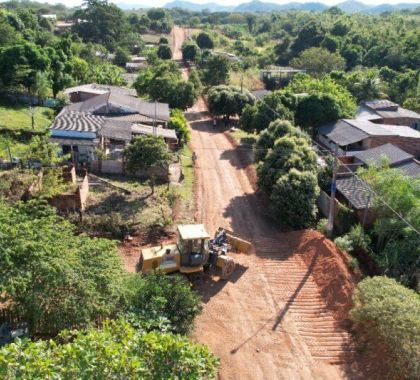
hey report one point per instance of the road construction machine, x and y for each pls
(195, 252)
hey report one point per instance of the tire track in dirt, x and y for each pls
(269, 321)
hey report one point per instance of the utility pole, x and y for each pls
(154, 121)
(330, 225)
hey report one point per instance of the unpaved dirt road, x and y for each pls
(271, 320)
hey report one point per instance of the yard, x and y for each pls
(15, 117)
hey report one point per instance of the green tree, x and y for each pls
(277, 105)
(318, 61)
(116, 351)
(317, 109)
(163, 82)
(53, 278)
(204, 41)
(164, 52)
(121, 57)
(180, 124)
(387, 318)
(309, 36)
(147, 153)
(228, 100)
(159, 296)
(266, 139)
(289, 152)
(293, 198)
(303, 83)
(41, 86)
(103, 23)
(189, 51)
(216, 70)
(369, 87)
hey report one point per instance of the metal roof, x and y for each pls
(192, 232)
(116, 130)
(374, 156)
(355, 191)
(148, 130)
(342, 133)
(100, 89)
(381, 104)
(124, 103)
(78, 121)
(370, 128)
(410, 168)
(402, 130)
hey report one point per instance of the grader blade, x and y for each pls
(238, 244)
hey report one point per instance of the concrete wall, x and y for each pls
(74, 201)
(172, 174)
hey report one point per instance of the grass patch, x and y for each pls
(244, 138)
(186, 189)
(251, 79)
(154, 38)
(17, 148)
(15, 117)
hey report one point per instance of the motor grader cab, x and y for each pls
(193, 252)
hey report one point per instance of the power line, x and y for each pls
(353, 174)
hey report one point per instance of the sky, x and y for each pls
(156, 3)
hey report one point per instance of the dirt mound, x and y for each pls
(329, 269)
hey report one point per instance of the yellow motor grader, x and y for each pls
(194, 252)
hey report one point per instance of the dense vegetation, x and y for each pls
(116, 351)
(387, 319)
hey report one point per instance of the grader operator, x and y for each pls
(194, 252)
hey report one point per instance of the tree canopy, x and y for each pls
(387, 317)
(117, 350)
(55, 279)
(228, 100)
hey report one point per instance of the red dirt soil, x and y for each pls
(281, 315)
(330, 269)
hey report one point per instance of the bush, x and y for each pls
(359, 239)
(164, 52)
(53, 278)
(117, 351)
(228, 100)
(387, 317)
(322, 226)
(204, 41)
(159, 296)
(344, 243)
(293, 198)
(180, 124)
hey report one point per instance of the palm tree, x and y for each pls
(369, 87)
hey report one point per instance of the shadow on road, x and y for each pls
(213, 284)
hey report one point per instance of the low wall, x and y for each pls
(173, 173)
(74, 201)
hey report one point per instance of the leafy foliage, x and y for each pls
(146, 152)
(388, 318)
(164, 52)
(318, 61)
(116, 351)
(277, 105)
(163, 82)
(228, 100)
(289, 152)
(293, 198)
(157, 296)
(204, 41)
(303, 83)
(56, 280)
(180, 124)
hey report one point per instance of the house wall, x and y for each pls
(81, 96)
(408, 144)
(407, 121)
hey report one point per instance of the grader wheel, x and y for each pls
(228, 268)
